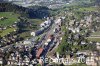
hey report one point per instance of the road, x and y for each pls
(32, 40)
(44, 38)
(53, 50)
(56, 35)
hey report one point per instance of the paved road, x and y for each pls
(48, 34)
(56, 45)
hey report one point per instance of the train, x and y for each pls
(38, 32)
(50, 38)
(43, 26)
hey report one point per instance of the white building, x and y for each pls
(27, 42)
(91, 61)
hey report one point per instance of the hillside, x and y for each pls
(8, 18)
(82, 2)
(33, 12)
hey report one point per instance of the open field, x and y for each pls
(10, 18)
(25, 35)
(96, 33)
(94, 37)
(87, 9)
(5, 32)
(97, 39)
(36, 21)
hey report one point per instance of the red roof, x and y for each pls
(50, 37)
(39, 52)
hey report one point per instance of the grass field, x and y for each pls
(10, 18)
(36, 21)
(94, 39)
(25, 35)
(96, 33)
(5, 32)
(87, 9)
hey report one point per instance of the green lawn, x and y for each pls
(37, 21)
(87, 9)
(94, 39)
(10, 18)
(5, 32)
(96, 33)
(25, 35)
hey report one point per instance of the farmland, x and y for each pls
(10, 18)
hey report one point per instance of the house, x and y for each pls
(1, 60)
(38, 32)
(77, 29)
(1, 56)
(16, 59)
(41, 61)
(69, 61)
(26, 60)
(39, 52)
(83, 42)
(58, 21)
(71, 22)
(45, 24)
(98, 45)
(85, 52)
(91, 61)
(76, 36)
(72, 29)
(66, 61)
(57, 59)
(27, 42)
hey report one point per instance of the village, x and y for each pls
(71, 37)
(28, 52)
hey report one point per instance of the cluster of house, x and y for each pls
(84, 27)
(26, 58)
(87, 57)
(76, 26)
(22, 55)
(87, 22)
(79, 29)
(4, 28)
(9, 38)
